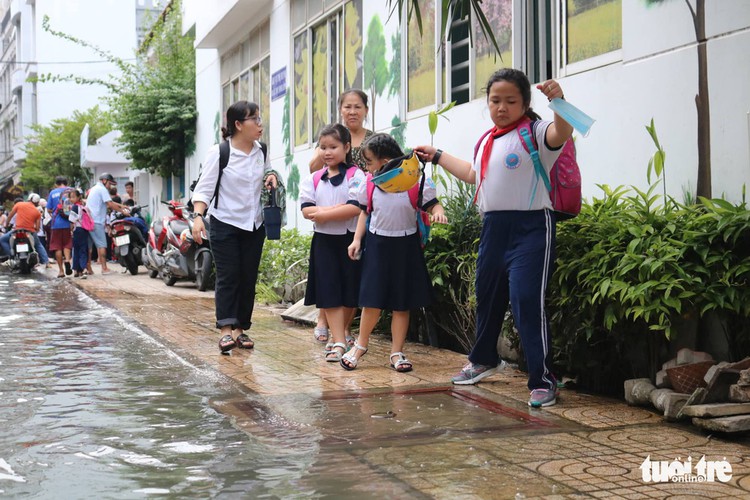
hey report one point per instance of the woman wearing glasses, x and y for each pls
(236, 231)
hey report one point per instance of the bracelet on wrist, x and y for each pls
(198, 215)
(436, 156)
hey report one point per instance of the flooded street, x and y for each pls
(126, 396)
(92, 407)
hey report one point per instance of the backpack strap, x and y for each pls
(264, 149)
(370, 191)
(479, 142)
(526, 134)
(223, 161)
(317, 176)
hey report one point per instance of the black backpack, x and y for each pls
(223, 161)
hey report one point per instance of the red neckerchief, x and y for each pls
(487, 152)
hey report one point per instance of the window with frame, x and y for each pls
(327, 47)
(591, 33)
(246, 75)
(421, 55)
(467, 58)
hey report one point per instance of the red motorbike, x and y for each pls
(158, 235)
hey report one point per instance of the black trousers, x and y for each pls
(237, 257)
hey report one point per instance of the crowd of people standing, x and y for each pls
(59, 225)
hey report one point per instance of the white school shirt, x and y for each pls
(328, 195)
(510, 177)
(392, 213)
(241, 184)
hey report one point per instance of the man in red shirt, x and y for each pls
(28, 218)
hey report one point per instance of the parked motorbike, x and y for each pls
(183, 257)
(128, 239)
(157, 237)
(23, 256)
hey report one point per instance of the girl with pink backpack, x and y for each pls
(517, 242)
(81, 220)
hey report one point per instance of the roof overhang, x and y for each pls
(221, 24)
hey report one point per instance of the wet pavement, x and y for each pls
(374, 432)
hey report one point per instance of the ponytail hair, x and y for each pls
(237, 112)
(382, 146)
(341, 134)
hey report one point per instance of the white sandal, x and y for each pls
(400, 362)
(350, 358)
(333, 356)
(321, 333)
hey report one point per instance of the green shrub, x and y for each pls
(630, 269)
(283, 267)
(451, 257)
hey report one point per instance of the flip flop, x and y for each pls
(68, 269)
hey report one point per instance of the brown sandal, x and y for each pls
(226, 344)
(244, 342)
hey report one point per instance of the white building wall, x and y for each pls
(656, 77)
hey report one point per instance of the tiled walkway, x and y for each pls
(443, 441)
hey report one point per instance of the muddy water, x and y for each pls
(92, 407)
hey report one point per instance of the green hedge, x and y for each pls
(630, 270)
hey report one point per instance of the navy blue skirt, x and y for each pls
(332, 278)
(394, 274)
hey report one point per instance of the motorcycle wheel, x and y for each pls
(129, 262)
(203, 271)
(153, 274)
(168, 280)
(24, 266)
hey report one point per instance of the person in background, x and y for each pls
(80, 235)
(129, 196)
(60, 240)
(353, 109)
(3, 220)
(26, 215)
(42, 233)
(98, 202)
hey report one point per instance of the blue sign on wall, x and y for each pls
(278, 84)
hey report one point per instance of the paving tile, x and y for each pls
(584, 447)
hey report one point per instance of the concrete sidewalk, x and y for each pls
(460, 442)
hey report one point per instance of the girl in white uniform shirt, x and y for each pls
(333, 278)
(517, 243)
(394, 273)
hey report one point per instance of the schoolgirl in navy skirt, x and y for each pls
(394, 273)
(329, 199)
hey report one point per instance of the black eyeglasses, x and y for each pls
(258, 121)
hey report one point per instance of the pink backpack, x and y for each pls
(87, 222)
(564, 181)
(319, 175)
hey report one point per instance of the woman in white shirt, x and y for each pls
(236, 231)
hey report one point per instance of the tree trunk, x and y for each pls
(702, 103)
